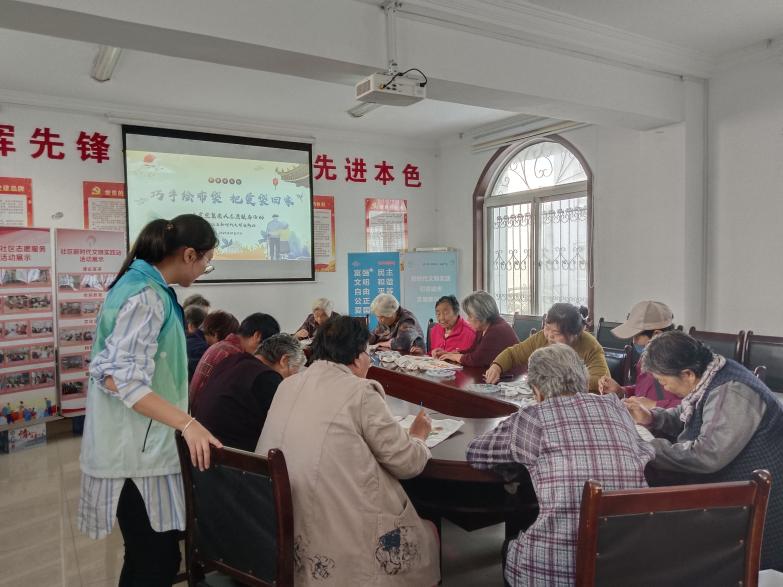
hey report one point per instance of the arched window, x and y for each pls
(532, 227)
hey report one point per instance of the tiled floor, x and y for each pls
(41, 546)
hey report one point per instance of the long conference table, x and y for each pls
(449, 487)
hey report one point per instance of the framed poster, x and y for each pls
(28, 391)
(16, 201)
(323, 234)
(87, 262)
(104, 205)
(386, 225)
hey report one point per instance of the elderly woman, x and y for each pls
(728, 424)
(233, 405)
(493, 334)
(564, 324)
(397, 327)
(566, 438)
(451, 334)
(353, 522)
(321, 312)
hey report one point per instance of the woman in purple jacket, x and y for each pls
(493, 334)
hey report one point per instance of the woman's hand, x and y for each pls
(453, 357)
(438, 353)
(639, 413)
(386, 344)
(422, 426)
(198, 439)
(608, 385)
(301, 334)
(416, 350)
(492, 375)
(644, 401)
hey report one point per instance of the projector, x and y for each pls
(390, 90)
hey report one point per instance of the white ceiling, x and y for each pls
(714, 27)
(57, 67)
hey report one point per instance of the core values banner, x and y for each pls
(87, 262)
(370, 274)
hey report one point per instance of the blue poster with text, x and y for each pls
(426, 277)
(370, 274)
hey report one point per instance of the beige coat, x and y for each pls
(353, 522)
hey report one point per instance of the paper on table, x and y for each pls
(441, 429)
(644, 433)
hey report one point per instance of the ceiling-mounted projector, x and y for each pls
(390, 90)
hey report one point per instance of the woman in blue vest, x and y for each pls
(137, 398)
(728, 424)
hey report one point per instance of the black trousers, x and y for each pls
(151, 558)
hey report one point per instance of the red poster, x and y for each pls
(87, 262)
(28, 392)
(324, 244)
(386, 225)
(104, 205)
(16, 201)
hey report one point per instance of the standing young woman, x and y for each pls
(138, 394)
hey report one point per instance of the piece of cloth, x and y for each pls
(404, 334)
(215, 354)
(460, 339)
(489, 344)
(197, 345)
(647, 386)
(152, 558)
(163, 497)
(736, 428)
(563, 442)
(586, 346)
(353, 522)
(234, 403)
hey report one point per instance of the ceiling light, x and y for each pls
(361, 109)
(105, 62)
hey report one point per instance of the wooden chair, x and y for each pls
(620, 363)
(606, 338)
(706, 534)
(766, 351)
(728, 345)
(239, 518)
(525, 325)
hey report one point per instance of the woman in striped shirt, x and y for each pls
(137, 397)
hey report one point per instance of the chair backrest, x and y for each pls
(430, 324)
(620, 363)
(239, 516)
(606, 338)
(723, 343)
(706, 534)
(524, 323)
(767, 351)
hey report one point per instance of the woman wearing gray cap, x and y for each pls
(645, 320)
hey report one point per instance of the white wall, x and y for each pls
(57, 187)
(745, 204)
(639, 202)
